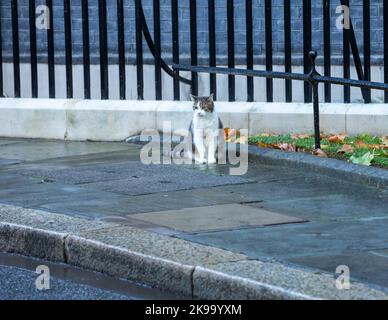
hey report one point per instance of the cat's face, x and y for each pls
(203, 106)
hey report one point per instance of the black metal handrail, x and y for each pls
(313, 78)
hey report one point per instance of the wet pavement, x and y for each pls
(272, 212)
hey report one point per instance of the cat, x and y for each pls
(205, 130)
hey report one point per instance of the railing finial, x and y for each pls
(313, 57)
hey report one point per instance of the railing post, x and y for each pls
(139, 51)
(314, 83)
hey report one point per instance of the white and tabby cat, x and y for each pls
(205, 130)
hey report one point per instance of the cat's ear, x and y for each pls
(211, 98)
(194, 98)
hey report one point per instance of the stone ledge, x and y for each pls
(235, 278)
(113, 120)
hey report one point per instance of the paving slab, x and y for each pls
(298, 240)
(215, 218)
(140, 179)
(57, 197)
(81, 161)
(301, 187)
(40, 150)
(362, 265)
(350, 205)
(5, 141)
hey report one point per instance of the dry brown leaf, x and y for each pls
(385, 141)
(320, 153)
(359, 144)
(265, 135)
(338, 138)
(287, 147)
(300, 136)
(376, 146)
(346, 149)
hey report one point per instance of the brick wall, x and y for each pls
(259, 43)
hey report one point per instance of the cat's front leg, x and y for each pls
(200, 146)
(212, 147)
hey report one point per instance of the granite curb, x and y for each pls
(124, 252)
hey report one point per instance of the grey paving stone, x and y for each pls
(298, 240)
(35, 195)
(39, 150)
(135, 178)
(5, 141)
(140, 179)
(6, 162)
(288, 189)
(215, 218)
(350, 205)
(363, 266)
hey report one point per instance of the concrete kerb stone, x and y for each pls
(213, 285)
(190, 281)
(46, 245)
(122, 263)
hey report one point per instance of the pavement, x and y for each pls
(273, 213)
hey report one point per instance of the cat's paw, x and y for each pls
(212, 161)
(201, 161)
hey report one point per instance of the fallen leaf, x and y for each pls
(324, 146)
(265, 135)
(320, 153)
(339, 138)
(365, 160)
(359, 144)
(376, 146)
(346, 149)
(300, 136)
(385, 141)
(287, 147)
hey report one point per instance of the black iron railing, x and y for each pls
(154, 42)
(312, 80)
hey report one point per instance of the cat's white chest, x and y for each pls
(209, 123)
